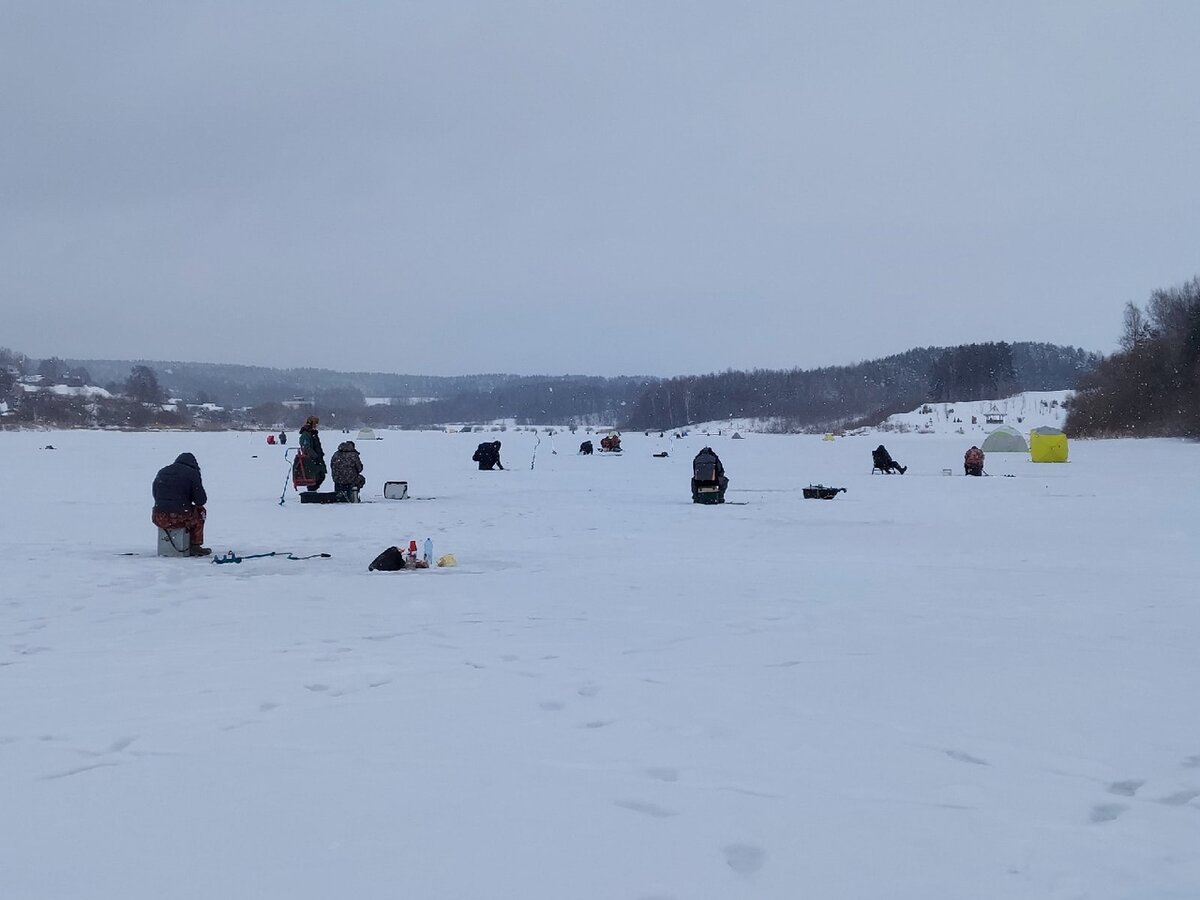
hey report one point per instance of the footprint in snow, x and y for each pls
(745, 859)
(662, 773)
(1180, 798)
(1106, 812)
(648, 809)
(1126, 788)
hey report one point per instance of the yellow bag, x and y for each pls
(447, 561)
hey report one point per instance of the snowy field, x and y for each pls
(930, 688)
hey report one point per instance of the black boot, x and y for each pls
(199, 551)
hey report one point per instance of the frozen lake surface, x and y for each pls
(930, 687)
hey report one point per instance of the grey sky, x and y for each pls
(593, 187)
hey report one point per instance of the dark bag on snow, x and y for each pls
(390, 560)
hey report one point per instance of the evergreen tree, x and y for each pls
(142, 385)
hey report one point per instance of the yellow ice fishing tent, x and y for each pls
(1047, 444)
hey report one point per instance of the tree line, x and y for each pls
(793, 400)
(1151, 385)
(864, 393)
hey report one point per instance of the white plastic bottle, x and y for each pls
(428, 551)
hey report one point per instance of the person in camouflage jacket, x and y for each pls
(346, 467)
(973, 461)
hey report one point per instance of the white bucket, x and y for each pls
(176, 542)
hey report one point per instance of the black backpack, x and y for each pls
(390, 560)
(704, 468)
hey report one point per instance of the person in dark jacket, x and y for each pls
(882, 460)
(179, 499)
(283, 437)
(487, 455)
(973, 461)
(707, 471)
(346, 467)
(586, 448)
(308, 469)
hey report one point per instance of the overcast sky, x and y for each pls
(589, 187)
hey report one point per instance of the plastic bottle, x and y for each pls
(428, 551)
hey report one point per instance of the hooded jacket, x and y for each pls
(487, 455)
(177, 487)
(706, 467)
(346, 465)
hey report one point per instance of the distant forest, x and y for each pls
(148, 393)
(1151, 385)
(864, 393)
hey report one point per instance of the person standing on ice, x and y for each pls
(487, 455)
(179, 499)
(309, 467)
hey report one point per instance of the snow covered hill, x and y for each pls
(1024, 411)
(1031, 409)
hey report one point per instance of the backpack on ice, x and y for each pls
(390, 560)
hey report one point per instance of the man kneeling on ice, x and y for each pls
(179, 499)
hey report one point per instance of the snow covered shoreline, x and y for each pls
(929, 687)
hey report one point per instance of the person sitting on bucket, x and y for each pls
(708, 471)
(179, 499)
(973, 461)
(346, 467)
(487, 455)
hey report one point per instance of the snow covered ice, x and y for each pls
(929, 687)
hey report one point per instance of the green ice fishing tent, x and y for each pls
(1005, 439)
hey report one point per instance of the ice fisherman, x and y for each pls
(973, 461)
(708, 471)
(308, 469)
(179, 499)
(346, 467)
(487, 455)
(883, 461)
